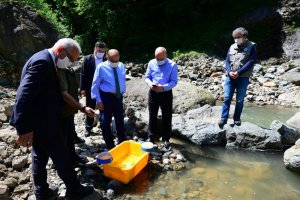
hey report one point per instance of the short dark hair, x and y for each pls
(100, 45)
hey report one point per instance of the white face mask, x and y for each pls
(161, 62)
(113, 64)
(99, 55)
(63, 63)
(238, 41)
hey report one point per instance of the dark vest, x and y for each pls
(238, 56)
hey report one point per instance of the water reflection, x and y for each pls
(217, 173)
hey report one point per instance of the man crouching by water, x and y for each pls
(239, 66)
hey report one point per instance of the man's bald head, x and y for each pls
(113, 55)
(160, 53)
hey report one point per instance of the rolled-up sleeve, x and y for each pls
(95, 91)
(173, 79)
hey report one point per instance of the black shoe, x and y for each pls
(78, 140)
(221, 123)
(50, 193)
(80, 193)
(87, 133)
(238, 123)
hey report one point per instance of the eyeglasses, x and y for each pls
(70, 57)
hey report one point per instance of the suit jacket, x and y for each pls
(39, 102)
(87, 72)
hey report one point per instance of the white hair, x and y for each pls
(240, 30)
(68, 43)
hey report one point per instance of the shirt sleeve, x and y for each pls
(173, 79)
(250, 62)
(63, 84)
(148, 77)
(95, 90)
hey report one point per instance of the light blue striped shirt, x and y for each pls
(165, 75)
(104, 80)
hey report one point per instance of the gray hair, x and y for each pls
(240, 30)
(68, 43)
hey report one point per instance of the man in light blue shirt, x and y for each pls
(161, 76)
(108, 88)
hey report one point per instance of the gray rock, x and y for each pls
(20, 162)
(269, 75)
(293, 76)
(22, 188)
(290, 98)
(288, 135)
(294, 121)
(4, 192)
(250, 136)
(10, 182)
(8, 136)
(261, 80)
(291, 157)
(3, 117)
(257, 68)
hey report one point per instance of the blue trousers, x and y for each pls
(112, 107)
(240, 85)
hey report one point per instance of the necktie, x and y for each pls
(118, 92)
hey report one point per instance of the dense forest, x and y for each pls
(136, 27)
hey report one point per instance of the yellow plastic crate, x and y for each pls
(128, 161)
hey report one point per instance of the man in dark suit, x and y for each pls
(88, 68)
(36, 116)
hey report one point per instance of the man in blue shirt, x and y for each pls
(239, 66)
(161, 76)
(108, 88)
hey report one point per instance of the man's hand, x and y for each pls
(233, 75)
(83, 93)
(157, 88)
(89, 112)
(100, 106)
(25, 140)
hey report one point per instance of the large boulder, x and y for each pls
(290, 98)
(294, 121)
(186, 96)
(22, 33)
(199, 127)
(291, 157)
(288, 134)
(293, 76)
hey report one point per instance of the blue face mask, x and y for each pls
(161, 62)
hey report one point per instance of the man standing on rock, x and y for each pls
(36, 116)
(239, 66)
(90, 62)
(161, 76)
(108, 88)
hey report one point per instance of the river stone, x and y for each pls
(288, 135)
(8, 135)
(137, 91)
(292, 98)
(10, 182)
(4, 192)
(261, 80)
(293, 76)
(251, 136)
(269, 84)
(20, 162)
(291, 157)
(257, 68)
(294, 121)
(3, 117)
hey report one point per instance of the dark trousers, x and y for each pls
(51, 144)
(68, 129)
(164, 100)
(112, 107)
(92, 104)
